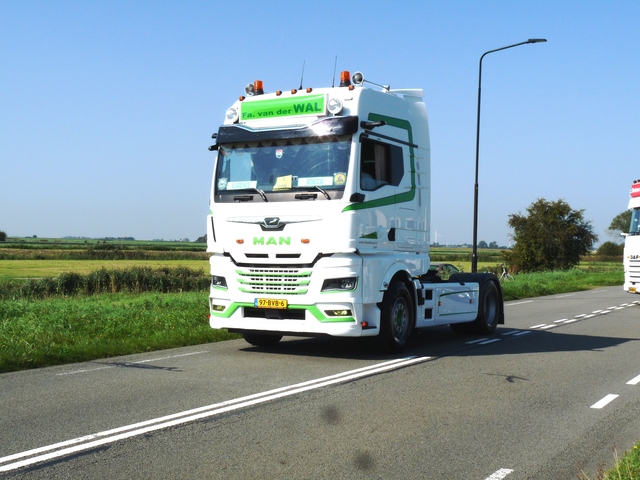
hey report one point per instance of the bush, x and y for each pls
(133, 280)
(610, 249)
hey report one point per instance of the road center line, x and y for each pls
(121, 433)
(500, 474)
(605, 401)
(634, 381)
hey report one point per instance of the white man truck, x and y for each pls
(319, 220)
(631, 257)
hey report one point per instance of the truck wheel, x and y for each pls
(396, 318)
(489, 309)
(261, 339)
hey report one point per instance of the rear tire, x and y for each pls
(261, 339)
(396, 318)
(488, 310)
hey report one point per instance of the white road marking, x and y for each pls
(518, 303)
(538, 326)
(546, 327)
(605, 401)
(634, 381)
(75, 445)
(500, 474)
(87, 370)
(487, 342)
(471, 342)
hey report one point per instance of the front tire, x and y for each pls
(396, 318)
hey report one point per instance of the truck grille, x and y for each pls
(292, 281)
(634, 270)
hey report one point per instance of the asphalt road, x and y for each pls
(548, 397)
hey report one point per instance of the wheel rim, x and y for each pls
(400, 320)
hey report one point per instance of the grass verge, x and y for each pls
(527, 285)
(625, 468)
(62, 330)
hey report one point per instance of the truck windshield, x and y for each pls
(634, 228)
(270, 166)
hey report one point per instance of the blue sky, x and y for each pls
(107, 107)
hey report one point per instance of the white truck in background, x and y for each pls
(319, 220)
(631, 256)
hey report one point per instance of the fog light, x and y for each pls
(338, 313)
(217, 308)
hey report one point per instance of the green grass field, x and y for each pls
(16, 269)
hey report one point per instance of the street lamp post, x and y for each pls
(474, 255)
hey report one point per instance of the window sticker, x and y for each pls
(340, 178)
(315, 182)
(283, 183)
(240, 185)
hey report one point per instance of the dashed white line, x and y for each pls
(524, 332)
(500, 474)
(471, 342)
(605, 401)
(634, 381)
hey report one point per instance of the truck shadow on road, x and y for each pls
(441, 341)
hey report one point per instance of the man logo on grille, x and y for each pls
(271, 222)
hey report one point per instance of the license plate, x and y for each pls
(269, 303)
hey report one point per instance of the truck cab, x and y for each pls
(320, 216)
(631, 255)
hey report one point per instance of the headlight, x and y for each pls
(232, 115)
(340, 284)
(218, 282)
(334, 106)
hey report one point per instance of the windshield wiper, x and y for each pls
(244, 198)
(324, 192)
(264, 197)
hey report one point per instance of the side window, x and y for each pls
(380, 164)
